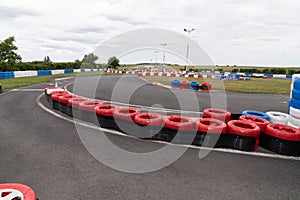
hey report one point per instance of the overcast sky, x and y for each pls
(241, 32)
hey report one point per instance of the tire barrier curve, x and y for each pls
(219, 128)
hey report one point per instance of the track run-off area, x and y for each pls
(41, 148)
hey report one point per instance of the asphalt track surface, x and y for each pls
(116, 88)
(45, 152)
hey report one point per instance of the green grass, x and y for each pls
(26, 81)
(255, 85)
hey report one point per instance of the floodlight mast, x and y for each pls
(188, 43)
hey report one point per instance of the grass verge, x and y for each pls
(26, 81)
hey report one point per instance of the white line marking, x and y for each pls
(65, 78)
(27, 90)
(232, 151)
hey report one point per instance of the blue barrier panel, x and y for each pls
(248, 74)
(44, 72)
(82, 70)
(1, 75)
(268, 75)
(6, 75)
(68, 71)
(289, 76)
(233, 72)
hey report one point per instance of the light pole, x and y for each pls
(156, 52)
(164, 55)
(188, 43)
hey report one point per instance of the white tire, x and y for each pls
(292, 125)
(295, 112)
(294, 121)
(278, 117)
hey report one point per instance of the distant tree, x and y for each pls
(113, 62)
(47, 59)
(88, 60)
(8, 51)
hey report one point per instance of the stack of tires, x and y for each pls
(294, 120)
(175, 84)
(194, 86)
(206, 86)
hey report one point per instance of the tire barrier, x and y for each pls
(210, 132)
(87, 111)
(222, 115)
(278, 117)
(178, 129)
(50, 90)
(296, 94)
(147, 125)
(295, 103)
(295, 112)
(206, 86)
(54, 96)
(175, 84)
(105, 116)
(194, 86)
(295, 121)
(1, 90)
(14, 191)
(73, 107)
(256, 114)
(63, 102)
(242, 135)
(124, 118)
(281, 139)
(260, 122)
(296, 83)
(185, 85)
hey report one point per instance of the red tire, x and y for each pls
(283, 132)
(58, 92)
(219, 114)
(243, 128)
(184, 84)
(65, 98)
(262, 123)
(89, 105)
(105, 109)
(125, 113)
(179, 123)
(74, 102)
(148, 119)
(209, 125)
(55, 96)
(14, 191)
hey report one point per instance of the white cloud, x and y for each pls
(231, 31)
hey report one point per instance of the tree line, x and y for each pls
(267, 70)
(11, 61)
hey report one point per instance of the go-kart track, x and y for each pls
(42, 149)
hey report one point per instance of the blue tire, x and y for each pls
(295, 103)
(296, 94)
(175, 83)
(256, 114)
(297, 83)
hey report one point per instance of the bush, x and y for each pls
(37, 65)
